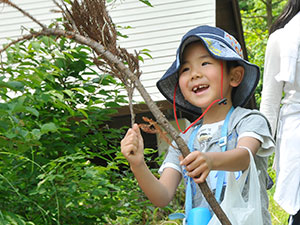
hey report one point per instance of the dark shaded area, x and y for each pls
(228, 18)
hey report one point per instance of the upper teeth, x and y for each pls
(200, 86)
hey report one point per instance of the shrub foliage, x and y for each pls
(54, 110)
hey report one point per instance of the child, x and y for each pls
(208, 79)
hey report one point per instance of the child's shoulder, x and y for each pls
(242, 112)
(252, 117)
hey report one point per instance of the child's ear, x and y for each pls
(236, 76)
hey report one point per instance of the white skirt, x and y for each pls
(287, 159)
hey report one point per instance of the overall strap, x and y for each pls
(221, 174)
(188, 190)
(223, 145)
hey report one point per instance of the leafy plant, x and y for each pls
(256, 33)
(60, 162)
(53, 114)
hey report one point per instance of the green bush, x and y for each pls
(53, 114)
(60, 162)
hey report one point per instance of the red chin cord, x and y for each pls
(220, 101)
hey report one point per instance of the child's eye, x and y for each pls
(205, 63)
(185, 69)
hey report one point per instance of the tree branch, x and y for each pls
(25, 37)
(23, 12)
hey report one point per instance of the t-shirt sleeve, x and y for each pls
(171, 160)
(256, 126)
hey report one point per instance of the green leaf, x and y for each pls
(77, 66)
(67, 1)
(10, 135)
(146, 53)
(146, 2)
(32, 111)
(48, 127)
(81, 90)
(112, 104)
(141, 58)
(14, 85)
(60, 63)
(83, 113)
(57, 95)
(68, 92)
(13, 219)
(35, 45)
(36, 133)
(47, 41)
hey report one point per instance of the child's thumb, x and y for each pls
(136, 128)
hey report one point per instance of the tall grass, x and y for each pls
(278, 215)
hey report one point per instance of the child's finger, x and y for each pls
(202, 177)
(187, 160)
(129, 131)
(129, 142)
(139, 136)
(181, 158)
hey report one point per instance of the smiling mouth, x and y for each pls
(200, 88)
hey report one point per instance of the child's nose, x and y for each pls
(196, 75)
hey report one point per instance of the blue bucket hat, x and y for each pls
(220, 45)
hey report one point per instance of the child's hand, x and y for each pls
(132, 146)
(198, 165)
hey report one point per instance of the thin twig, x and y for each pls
(23, 12)
(25, 37)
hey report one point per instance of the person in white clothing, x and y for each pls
(280, 103)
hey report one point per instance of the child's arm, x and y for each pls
(159, 192)
(199, 164)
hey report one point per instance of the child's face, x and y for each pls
(200, 77)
